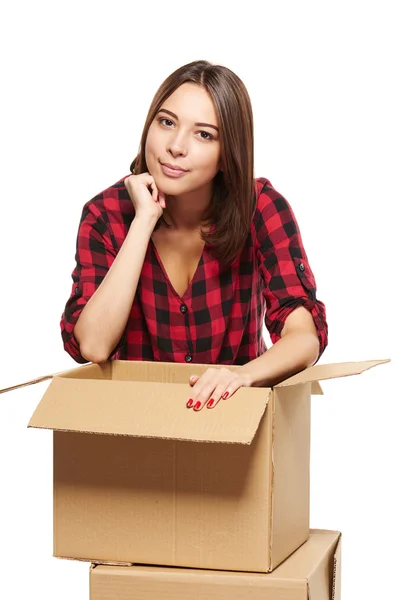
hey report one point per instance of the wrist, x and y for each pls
(145, 220)
(246, 376)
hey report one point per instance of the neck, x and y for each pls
(188, 211)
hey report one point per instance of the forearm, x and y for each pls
(294, 352)
(103, 319)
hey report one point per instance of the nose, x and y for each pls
(177, 145)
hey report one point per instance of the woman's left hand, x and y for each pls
(214, 385)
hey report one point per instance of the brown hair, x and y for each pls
(232, 202)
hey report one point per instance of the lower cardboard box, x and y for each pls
(310, 573)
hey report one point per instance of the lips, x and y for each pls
(174, 167)
(173, 171)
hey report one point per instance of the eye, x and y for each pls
(167, 123)
(165, 119)
(210, 137)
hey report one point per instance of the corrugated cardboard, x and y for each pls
(139, 478)
(311, 573)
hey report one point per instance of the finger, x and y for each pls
(204, 395)
(200, 380)
(194, 379)
(216, 396)
(231, 389)
(207, 381)
(148, 181)
(154, 191)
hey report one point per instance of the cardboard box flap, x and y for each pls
(147, 409)
(85, 371)
(30, 382)
(331, 371)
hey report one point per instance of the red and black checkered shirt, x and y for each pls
(220, 317)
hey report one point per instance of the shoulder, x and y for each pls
(267, 197)
(273, 217)
(110, 205)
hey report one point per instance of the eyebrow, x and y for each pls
(197, 124)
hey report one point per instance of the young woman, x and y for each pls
(186, 258)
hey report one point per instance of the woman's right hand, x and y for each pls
(147, 200)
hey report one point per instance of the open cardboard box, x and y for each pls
(139, 478)
(313, 572)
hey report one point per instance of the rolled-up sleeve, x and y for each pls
(94, 256)
(287, 276)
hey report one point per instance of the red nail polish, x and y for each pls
(210, 403)
(189, 403)
(224, 397)
(197, 405)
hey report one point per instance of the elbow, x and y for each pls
(93, 354)
(307, 348)
(314, 350)
(91, 349)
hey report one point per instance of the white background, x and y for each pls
(77, 79)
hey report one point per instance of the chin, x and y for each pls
(170, 186)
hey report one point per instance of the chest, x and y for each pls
(179, 255)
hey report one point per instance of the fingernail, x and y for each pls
(197, 405)
(224, 397)
(189, 403)
(210, 403)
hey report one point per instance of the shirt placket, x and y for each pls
(184, 309)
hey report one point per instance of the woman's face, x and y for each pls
(184, 134)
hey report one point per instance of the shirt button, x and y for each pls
(76, 290)
(188, 358)
(301, 267)
(183, 308)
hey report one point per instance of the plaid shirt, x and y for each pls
(220, 317)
